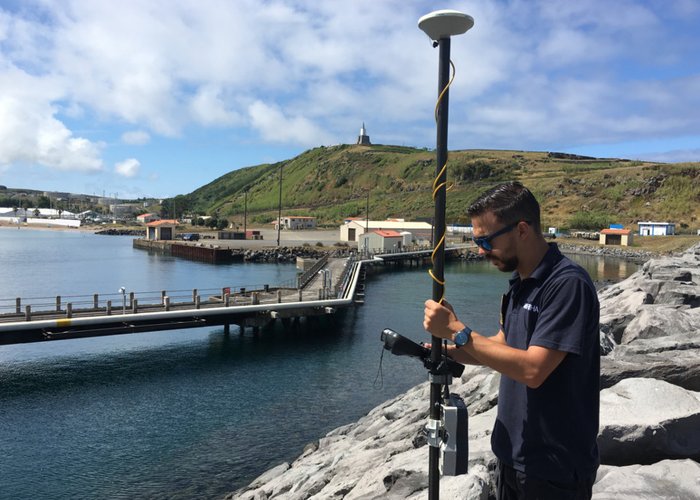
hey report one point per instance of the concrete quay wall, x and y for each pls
(205, 253)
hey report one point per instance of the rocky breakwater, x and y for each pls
(121, 232)
(626, 253)
(283, 254)
(649, 417)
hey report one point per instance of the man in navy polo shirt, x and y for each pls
(547, 352)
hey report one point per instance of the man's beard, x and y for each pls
(505, 265)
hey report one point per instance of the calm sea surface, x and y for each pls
(193, 413)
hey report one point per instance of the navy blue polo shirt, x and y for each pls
(550, 432)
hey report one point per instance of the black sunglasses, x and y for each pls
(485, 241)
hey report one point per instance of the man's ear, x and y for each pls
(523, 229)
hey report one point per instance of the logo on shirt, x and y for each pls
(531, 307)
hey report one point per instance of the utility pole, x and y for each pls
(279, 210)
(245, 212)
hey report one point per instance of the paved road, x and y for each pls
(288, 238)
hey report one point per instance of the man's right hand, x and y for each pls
(440, 320)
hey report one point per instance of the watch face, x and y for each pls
(461, 339)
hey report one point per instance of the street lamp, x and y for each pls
(122, 290)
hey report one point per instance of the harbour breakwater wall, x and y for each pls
(638, 256)
(282, 254)
(649, 414)
(628, 254)
(205, 253)
(215, 254)
(121, 232)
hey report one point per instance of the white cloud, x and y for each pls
(274, 126)
(29, 133)
(136, 137)
(675, 156)
(128, 168)
(209, 108)
(529, 74)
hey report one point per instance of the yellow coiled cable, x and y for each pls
(436, 188)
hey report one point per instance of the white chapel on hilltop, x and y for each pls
(363, 138)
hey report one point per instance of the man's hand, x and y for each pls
(440, 320)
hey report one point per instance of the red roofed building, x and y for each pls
(146, 218)
(161, 230)
(381, 240)
(351, 231)
(616, 237)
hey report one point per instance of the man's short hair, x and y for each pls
(510, 202)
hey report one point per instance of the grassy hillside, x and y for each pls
(331, 183)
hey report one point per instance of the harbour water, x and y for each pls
(195, 413)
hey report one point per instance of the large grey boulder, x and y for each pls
(650, 323)
(665, 480)
(673, 359)
(383, 456)
(644, 420)
(385, 453)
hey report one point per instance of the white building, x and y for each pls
(161, 229)
(51, 213)
(352, 230)
(8, 215)
(297, 222)
(656, 228)
(39, 216)
(53, 222)
(146, 218)
(124, 210)
(381, 240)
(459, 229)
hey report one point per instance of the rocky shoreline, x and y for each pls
(650, 411)
(637, 256)
(121, 232)
(282, 254)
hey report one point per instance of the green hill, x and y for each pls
(332, 183)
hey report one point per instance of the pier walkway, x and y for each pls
(330, 284)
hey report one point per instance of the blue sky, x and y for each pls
(159, 97)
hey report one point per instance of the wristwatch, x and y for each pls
(462, 337)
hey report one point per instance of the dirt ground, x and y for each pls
(326, 238)
(655, 244)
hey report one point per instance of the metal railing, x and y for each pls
(310, 273)
(346, 276)
(115, 303)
